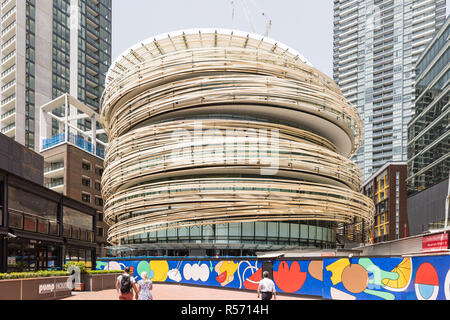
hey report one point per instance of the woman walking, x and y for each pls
(144, 287)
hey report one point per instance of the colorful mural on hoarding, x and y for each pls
(409, 278)
(226, 273)
(299, 277)
(395, 278)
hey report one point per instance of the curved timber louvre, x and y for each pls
(230, 134)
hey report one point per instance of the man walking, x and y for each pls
(266, 288)
(125, 285)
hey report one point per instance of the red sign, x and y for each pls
(328, 254)
(435, 243)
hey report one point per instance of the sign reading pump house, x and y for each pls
(54, 287)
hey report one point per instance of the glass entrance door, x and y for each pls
(41, 258)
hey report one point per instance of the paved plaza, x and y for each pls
(173, 292)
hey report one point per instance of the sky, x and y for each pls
(304, 25)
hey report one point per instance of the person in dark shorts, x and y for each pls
(125, 285)
(266, 288)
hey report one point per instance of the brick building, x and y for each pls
(387, 188)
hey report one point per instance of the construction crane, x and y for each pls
(269, 24)
(249, 18)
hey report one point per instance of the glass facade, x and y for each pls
(77, 254)
(94, 50)
(314, 235)
(77, 225)
(28, 255)
(61, 54)
(2, 203)
(32, 213)
(37, 222)
(376, 46)
(94, 55)
(429, 131)
(61, 47)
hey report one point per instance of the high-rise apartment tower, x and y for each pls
(49, 48)
(376, 47)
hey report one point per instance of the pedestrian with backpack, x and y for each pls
(125, 285)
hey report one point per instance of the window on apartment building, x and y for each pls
(100, 232)
(100, 216)
(369, 192)
(86, 166)
(98, 186)
(86, 182)
(99, 201)
(99, 171)
(86, 197)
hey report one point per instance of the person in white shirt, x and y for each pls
(125, 285)
(266, 288)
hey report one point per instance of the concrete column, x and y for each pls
(66, 114)
(75, 19)
(4, 196)
(94, 134)
(20, 70)
(45, 130)
(3, 241)
(3, 255)
(43, 67)
(60, 257)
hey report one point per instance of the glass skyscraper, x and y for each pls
(49, 48)
(429, 131)
(376, 47)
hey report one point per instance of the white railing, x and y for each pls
(8, 85)
(8, 71)
(8, 56)
(8, 14)
(7, 43)
(8, 28)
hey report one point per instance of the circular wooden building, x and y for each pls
(223, 140)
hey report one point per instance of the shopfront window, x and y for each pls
(54, 228)
(15, 220)
(43, 226)
(78, 225)
(26, 255)
(32, 213)
(29, 255)
(15, 263)
(307, 234)
(74, 254)
(52, 255)
(29, 223)
(2, 203)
